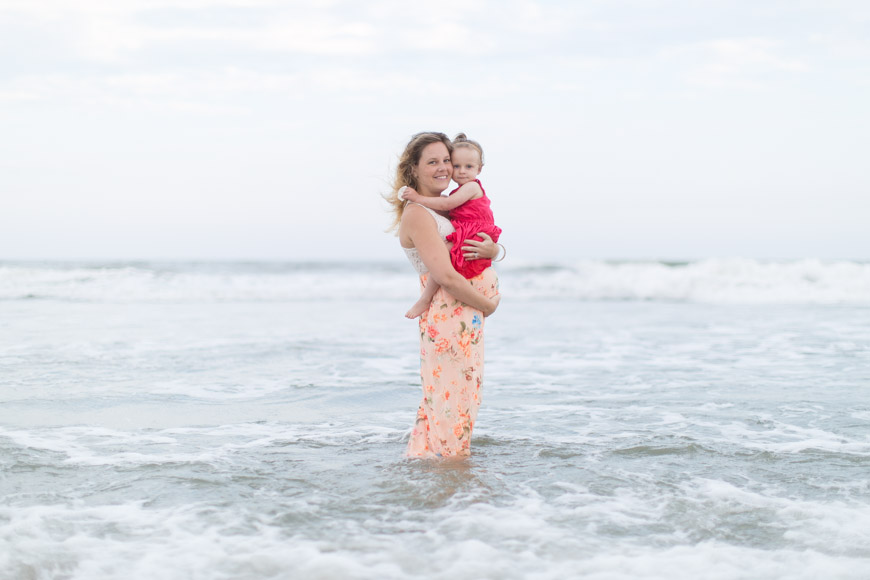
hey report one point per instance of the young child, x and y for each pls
(469, 214)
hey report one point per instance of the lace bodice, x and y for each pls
(445, 228)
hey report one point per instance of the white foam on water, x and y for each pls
(779, 437)
(96, 446)
(638, 440)
(834, 527)
(206, 389)
(129, 540)
(725, 281)
(716, 561)
(637, 529)
(154, 284)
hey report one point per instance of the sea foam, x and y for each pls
(725, 281)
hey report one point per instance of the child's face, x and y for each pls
(466, 164)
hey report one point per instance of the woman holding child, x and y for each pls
(451, 325)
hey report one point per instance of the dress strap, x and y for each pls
(445, 228)
(430, 210)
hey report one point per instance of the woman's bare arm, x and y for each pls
(421, 229)
(470, 190)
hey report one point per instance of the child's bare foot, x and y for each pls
(417, 309)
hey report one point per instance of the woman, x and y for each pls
(451, 330)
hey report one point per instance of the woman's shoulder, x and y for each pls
(411, 222)
(414, 212)
(415, 216)
(419, 218)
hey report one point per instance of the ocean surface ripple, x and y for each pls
(717, 281)
(247, 421)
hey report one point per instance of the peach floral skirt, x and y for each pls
(451, 371)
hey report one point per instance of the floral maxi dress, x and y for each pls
(451, 372)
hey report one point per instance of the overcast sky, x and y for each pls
(266, 129)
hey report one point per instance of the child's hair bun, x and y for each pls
(462, 141)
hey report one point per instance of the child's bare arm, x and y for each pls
(470, 190)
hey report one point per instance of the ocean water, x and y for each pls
(247, 421)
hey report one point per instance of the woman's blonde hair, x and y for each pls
(462, 141)
(405, 170)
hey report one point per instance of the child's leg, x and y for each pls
(422, 304)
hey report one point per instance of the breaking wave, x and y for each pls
(726, 281)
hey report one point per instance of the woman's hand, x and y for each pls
(495, 299)
(485, 250)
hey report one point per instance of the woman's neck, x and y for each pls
(427, 193)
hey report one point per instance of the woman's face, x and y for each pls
(434, 170)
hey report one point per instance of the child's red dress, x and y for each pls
(471, 217)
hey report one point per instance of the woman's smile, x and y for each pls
(434, 170)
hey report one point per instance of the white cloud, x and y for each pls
(318, 35)
(732, 62)
(629, 104)
(111, 31)
(843, 45)
(229, 90)
(740, 54)
(108, 31)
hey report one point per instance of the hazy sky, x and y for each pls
(267, 129)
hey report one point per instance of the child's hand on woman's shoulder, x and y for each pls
(409, 194)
